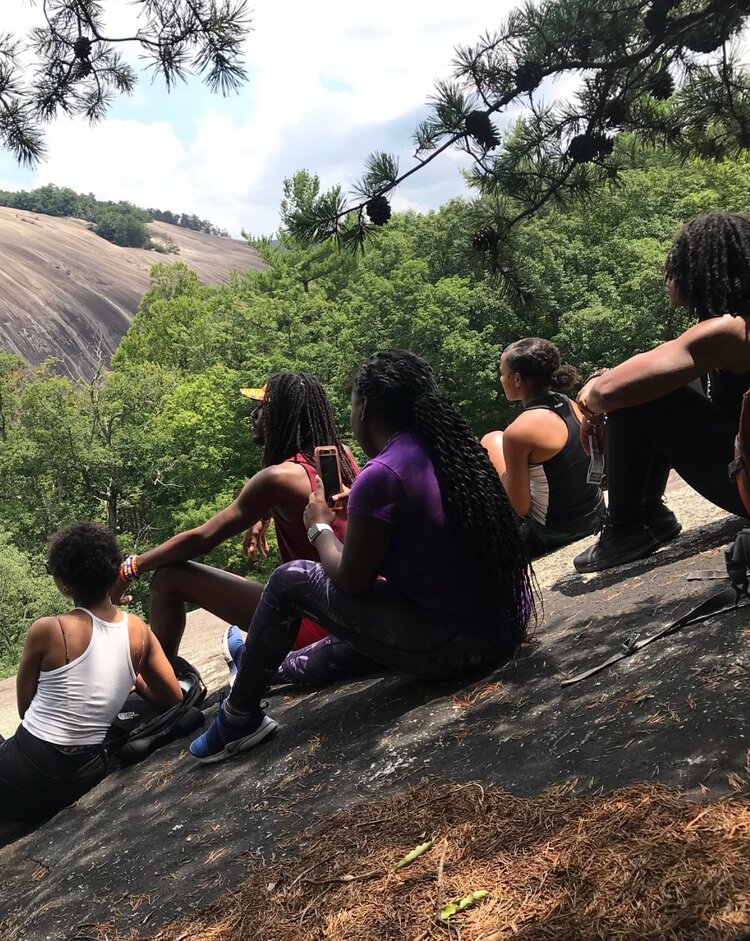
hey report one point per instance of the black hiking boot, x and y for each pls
(618, 543)
(662, 522)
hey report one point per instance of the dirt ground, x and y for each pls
(165, 839)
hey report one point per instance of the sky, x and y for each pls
(329, 83)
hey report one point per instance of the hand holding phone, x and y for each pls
(329, 470)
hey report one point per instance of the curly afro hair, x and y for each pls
(709, 263)
(86, 557)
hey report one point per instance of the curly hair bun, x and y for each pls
(86, 557)
(564, 377)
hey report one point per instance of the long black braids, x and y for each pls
(297, 418)
(402, 385)
(709, 262)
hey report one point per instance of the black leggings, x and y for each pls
(38, 778)
(381, 624)
(683, 430)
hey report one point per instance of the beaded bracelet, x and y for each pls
(599, 371)
(129, 568)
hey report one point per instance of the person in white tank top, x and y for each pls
(76, 672)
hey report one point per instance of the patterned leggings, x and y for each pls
(381, 624)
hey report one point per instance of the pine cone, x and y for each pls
(83, 69)
(660, 85)
(703, 42)
(479, 126)
(529, 76)
(616, 112)
(584, 147)
(485, 240)
(378, 209)
(82, 47)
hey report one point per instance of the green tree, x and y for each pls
(76, 66)
(665, 70)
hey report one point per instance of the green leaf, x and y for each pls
(461, 904)
(414, 854)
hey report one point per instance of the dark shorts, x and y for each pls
(38, 778)
(539, 540)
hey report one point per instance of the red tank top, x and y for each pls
(294, 544)
(292, 537)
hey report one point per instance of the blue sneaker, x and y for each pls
(232, 645)
(228, 736)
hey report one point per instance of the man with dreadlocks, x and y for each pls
(428, 512)
(292, 417)
(677, 406)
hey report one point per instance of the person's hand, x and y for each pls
(596, 428)
(317, 510)
(255, 544)
(120, 593)
(583, 400)
(341, 500)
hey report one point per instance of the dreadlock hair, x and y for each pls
(402, 386)
(709, 262)
(297, 418)
(539, 362)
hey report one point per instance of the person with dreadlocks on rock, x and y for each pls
(431, 578)
(677, 406)
(292, 416)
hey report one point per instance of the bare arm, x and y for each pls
(34, 649)
(354, 565)
(509, 452)
(254, 502)
(156, 680)
(719, 343)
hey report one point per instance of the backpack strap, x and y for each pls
(739, 469)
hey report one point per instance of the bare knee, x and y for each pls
(169, 581)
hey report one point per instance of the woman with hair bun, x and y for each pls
(539, 456)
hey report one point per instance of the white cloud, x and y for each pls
(230, 169)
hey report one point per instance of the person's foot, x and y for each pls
(229, 735)
(232, 645)
(617, 545)
(662, 522)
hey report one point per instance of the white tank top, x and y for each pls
(76, 703)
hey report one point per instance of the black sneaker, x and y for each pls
(663, 523)
(617, 545)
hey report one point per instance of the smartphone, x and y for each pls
(329, 470)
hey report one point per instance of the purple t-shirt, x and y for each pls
(399, 486)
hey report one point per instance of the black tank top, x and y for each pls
(725, 390)
(561, 499)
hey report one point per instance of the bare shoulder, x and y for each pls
(531, 428)
(41, 631)
(721, 342)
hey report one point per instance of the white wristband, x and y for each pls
(316, 529)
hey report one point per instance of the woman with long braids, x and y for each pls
(539, 456)
(658, 415)
(428, 513)
(292, 416)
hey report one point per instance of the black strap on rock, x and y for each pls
(728, 599)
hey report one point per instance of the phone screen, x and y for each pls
(329, 474)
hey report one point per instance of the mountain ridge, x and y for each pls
(69, 294)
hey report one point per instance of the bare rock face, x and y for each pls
(66, 292)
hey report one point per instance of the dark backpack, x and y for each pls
(141, 727)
